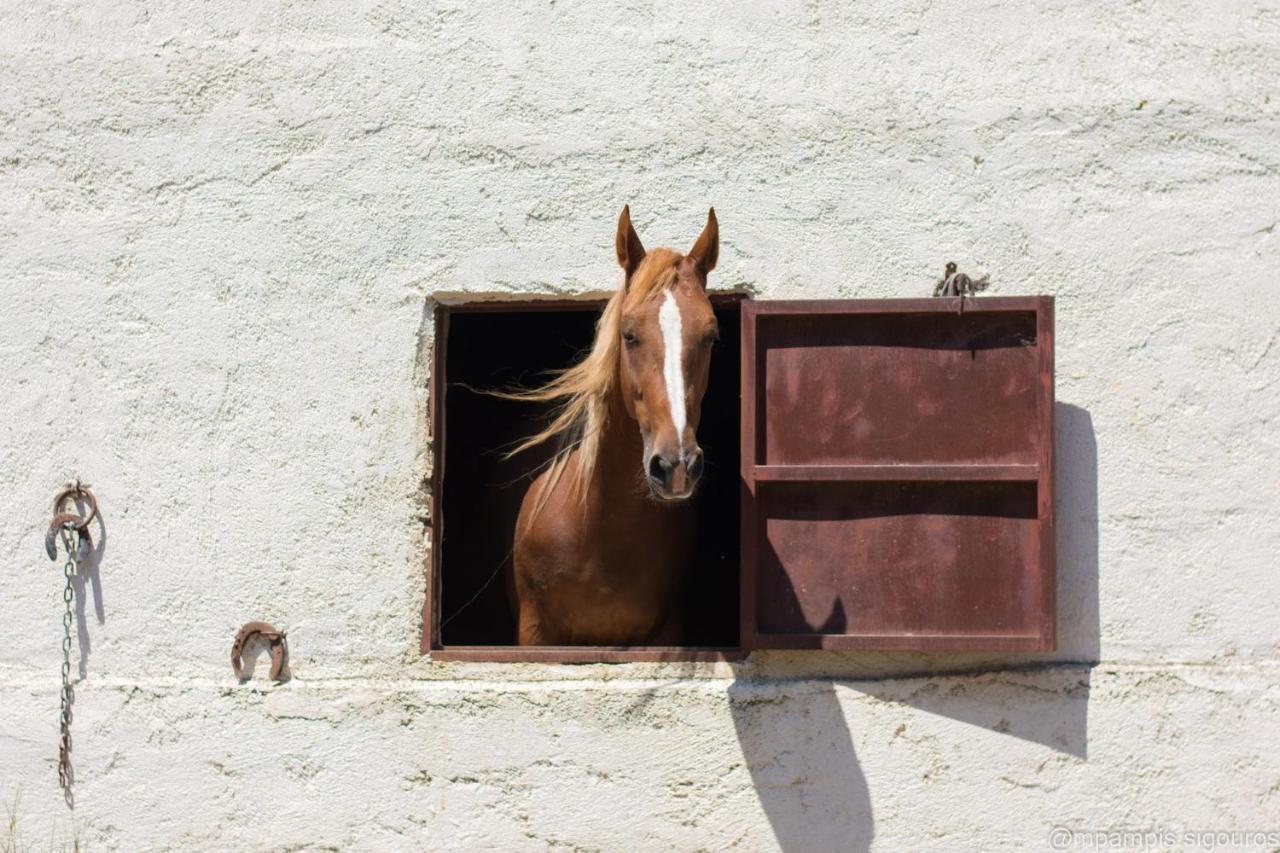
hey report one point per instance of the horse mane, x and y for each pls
(581, 392)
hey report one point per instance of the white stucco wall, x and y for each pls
(221, 226)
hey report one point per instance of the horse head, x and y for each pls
(666, 328)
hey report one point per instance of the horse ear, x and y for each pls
(630, 249)
(705, 252)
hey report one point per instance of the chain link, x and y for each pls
(70, 541)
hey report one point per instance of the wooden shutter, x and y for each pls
(897, 471)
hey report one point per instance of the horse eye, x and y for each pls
(629, 336)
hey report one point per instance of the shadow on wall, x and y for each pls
(799, 751)
(796, 741)
(88, 575)
(1076, 499)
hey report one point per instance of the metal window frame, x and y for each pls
(431, 644)
(754, 311)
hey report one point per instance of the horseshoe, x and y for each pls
(76, 490)
(279, 651)
(61, 520)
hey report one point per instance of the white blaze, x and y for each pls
(672, 368)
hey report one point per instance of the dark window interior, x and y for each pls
(487, 349)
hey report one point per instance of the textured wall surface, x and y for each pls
(221, 229)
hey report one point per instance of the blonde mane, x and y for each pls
(581, 392)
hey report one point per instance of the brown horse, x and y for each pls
(605, 535)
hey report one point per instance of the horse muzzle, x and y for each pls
(674, 476)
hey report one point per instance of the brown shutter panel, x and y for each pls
(897, 474)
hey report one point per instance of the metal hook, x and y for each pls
(63, 520)
(77, 489)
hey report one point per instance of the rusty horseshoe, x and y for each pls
(279, 650)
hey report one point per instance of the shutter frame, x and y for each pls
(1016, 492)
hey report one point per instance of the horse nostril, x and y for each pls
(694, 466)
(658, 469)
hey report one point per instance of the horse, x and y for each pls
(606, 532)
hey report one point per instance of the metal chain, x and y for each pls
(70, 541)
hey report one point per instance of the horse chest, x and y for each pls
(628, 555)
(615, 580)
